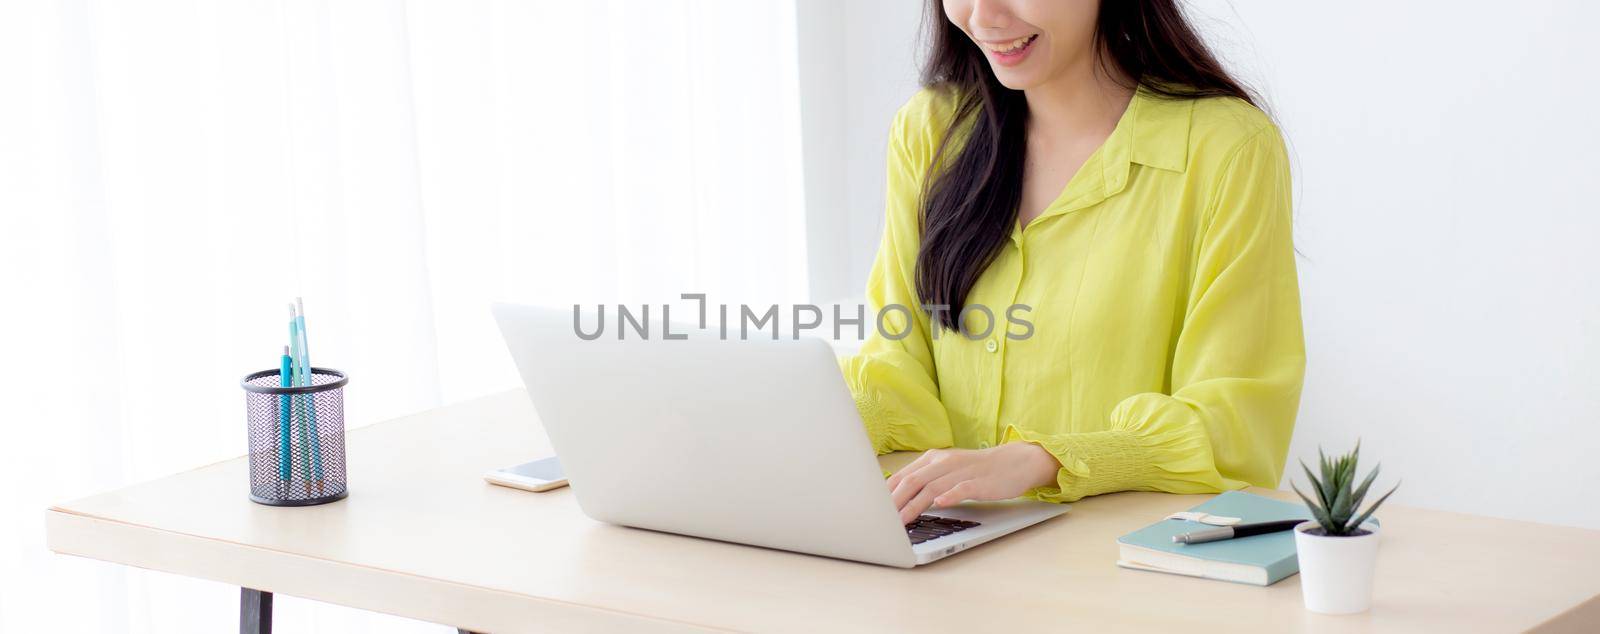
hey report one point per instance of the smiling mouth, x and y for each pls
(1013, 47)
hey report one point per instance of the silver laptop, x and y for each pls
(753, 442)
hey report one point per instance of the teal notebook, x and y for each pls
(1261, 560)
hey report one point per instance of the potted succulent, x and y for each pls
(1339, 548)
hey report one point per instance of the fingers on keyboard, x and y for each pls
(929, 527)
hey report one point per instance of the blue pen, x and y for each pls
(300, 400)
(311, 402)
(285, 379)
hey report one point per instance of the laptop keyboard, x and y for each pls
(928, 527)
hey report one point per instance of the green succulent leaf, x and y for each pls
(1361, 491)
(1316, 485)
(1341, 511)
(1355, 524)
(1330, 478)
(1316, 512)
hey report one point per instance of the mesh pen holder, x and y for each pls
(296, 438)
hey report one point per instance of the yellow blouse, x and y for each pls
(1166, 350)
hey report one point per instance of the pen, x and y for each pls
(307, 379)
(302, 417)
(285, 379)
(1230, 532)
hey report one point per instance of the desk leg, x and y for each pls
(255, 611)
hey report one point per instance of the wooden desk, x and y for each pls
(422, 536)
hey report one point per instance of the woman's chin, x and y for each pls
(1016, 79)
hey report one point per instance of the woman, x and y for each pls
(1093, 162)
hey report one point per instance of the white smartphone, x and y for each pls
(540, 475)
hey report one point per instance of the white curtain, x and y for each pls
(173, 172)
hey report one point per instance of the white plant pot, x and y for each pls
(1336, 572)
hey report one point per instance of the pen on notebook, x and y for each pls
(1230, 532)
(308, 379)
(285, 379)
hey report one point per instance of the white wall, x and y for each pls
(1443, 160)
(857, 66)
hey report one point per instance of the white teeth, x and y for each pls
(1010, 47)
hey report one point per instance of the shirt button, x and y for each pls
(991, 346)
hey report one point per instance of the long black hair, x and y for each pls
(969, 200)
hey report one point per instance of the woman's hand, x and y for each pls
(945, 477)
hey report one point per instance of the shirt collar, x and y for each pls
(1153, 131)
(1160, 134)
